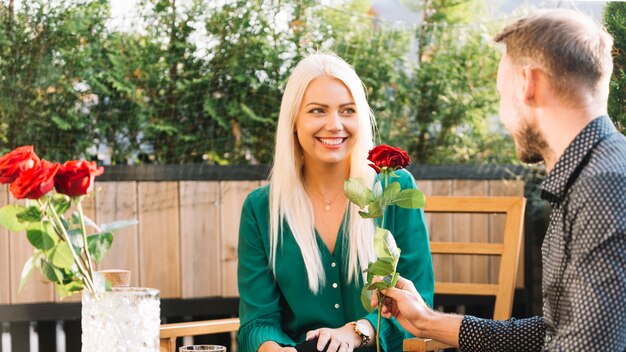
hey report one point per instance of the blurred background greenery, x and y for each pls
(201, 81)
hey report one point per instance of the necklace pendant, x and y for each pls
(327, 207)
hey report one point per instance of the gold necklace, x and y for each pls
(328, 202)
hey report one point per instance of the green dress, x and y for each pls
(283, 309)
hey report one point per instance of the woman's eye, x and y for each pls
(349, 111)
(316, 111)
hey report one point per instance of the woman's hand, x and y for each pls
(343, 339)
(271, 346)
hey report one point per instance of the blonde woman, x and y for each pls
(302, 246)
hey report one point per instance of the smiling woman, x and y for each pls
(302, 246)
(326, 122)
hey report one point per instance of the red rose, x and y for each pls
(17, 161)
(35, 182)
(387, 156)
(75, 177)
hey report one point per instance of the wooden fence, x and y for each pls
(186, 241)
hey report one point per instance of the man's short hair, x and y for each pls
(568, 46)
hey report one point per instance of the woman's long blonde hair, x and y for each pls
(288, 199)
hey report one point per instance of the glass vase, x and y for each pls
(121, 320)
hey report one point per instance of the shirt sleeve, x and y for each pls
(592, 311)
(483, 335)
(409, 230)
(259, 295)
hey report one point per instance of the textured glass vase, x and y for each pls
(122, 320)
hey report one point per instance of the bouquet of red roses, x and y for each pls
(373, 203)
(64, 252)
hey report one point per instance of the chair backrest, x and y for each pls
(508, 250)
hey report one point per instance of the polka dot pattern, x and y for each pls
(584, 256)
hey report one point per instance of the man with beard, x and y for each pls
(553, 81)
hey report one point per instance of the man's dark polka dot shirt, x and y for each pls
(584, 256)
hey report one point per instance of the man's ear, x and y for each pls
(529, 84)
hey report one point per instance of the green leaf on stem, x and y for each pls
(391, 192)
(42, 235)
(370, 276)
(9, 220)
(381, 267)
(117, 225)
(365, 215)
(30, 264)
(99, 244)
(357, 192)
(385, 245)
(61, 256)
(366, 299)
(31, 214)
(51, 272)
(410, 199)
(76, 238)
(376, 208)
(394, 279)
(90, 223)
(66, 290)
(61, 203)
(380, 285)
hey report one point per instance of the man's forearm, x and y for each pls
(442, 327)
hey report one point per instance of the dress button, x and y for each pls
(337, 306)
(333, 264)
(334, 285)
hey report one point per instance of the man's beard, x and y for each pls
(529, 143)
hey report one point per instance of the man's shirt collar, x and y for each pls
(568, 166)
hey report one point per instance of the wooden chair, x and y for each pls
(169, 332)
(508, 250)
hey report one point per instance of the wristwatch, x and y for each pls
(363, 329)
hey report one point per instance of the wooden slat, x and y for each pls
(421, 345)
(205, 327)
(508, 265)
(466, 248)
(470, 227)
(89, 205)
(159, 237)
(458, 288)
(5, 268)
(233, 194)
(200, 239)
(504, 188)
(117, 201)
(441, 228)
(469, 205)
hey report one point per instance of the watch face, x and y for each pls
(364, 328)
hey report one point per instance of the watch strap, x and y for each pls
(365, 339)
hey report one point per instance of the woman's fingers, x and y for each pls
(323, 339)
(334, 345)
(310, 335)
(345, 347)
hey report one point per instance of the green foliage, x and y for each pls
(46, 53)
(615, 22)
(59, 241)
(202, 82)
